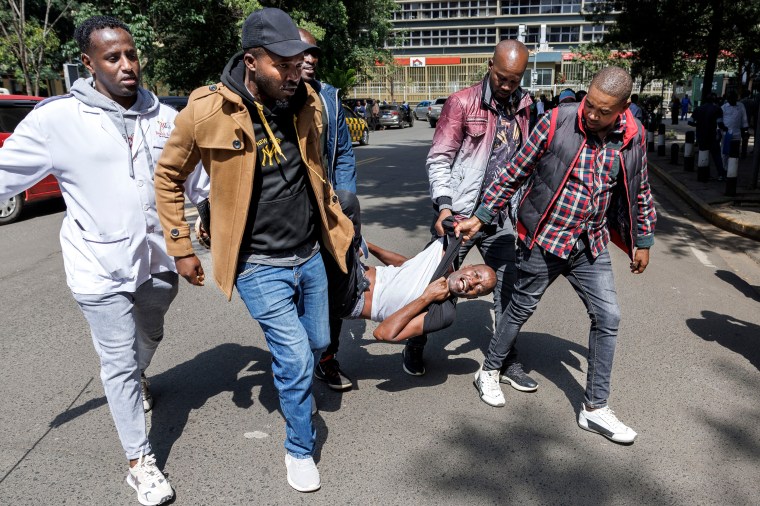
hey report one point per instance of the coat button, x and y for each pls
(175, 232)
(236, 144)
(212, 87)
(334, 199)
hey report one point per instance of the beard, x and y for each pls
(271, 89)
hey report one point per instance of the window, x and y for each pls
(563, 33)
(517, 7)
(543, 78)
(594, 33)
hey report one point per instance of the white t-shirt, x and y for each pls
(395, 287)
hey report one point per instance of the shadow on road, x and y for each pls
(187, 386)
(739, 336)
(749, 291)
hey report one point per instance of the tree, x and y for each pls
(668, 36)
(30, 41)
(344, 80)
(355, 31)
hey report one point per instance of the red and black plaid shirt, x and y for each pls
(583, 201)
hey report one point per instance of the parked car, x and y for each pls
(357, 127)
(396, 115)
(178, 103)
(13, 109)
(420, 110)
(434, 111)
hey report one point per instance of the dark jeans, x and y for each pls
(497, 247)
(349, 204)
(594, 283)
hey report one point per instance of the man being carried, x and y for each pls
(409, 296)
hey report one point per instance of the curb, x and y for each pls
(717, 218)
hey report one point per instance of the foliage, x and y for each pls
(29, 42)
(344, 80)
(673, 38)
(186, 44)
(354, 31)
(594, 57)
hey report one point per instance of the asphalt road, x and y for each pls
(686, 377)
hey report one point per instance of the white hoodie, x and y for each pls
(111, 237)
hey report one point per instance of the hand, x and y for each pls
(640, 261)
(201, 234)
(445, 213)
(468, 228)
(190, 268)
(437, 291)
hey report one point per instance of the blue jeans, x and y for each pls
(594, 283)
(126, 329)
(290, 304)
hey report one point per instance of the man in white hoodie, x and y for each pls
(102, 142)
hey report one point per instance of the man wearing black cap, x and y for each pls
(272, 210)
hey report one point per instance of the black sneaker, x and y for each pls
(329, 372)
(413, 363)
(515, 376)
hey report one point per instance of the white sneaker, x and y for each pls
(303, 474)
(314, 409)
(487, 383)
(150, 483)
(146, 396)
(603, 421)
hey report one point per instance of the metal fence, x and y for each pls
(414, 84)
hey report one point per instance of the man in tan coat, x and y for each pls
(273, 214)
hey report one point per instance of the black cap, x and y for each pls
(273, 30)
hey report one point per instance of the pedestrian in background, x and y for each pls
(635, 109)
(273, 210)
(567, 96)
(564, 229)
(705, 118)
(101, 142)
(341, 169)
(751, 107)
(375, 115)
(480, 129)
(675, 107)
(734, 123)
(685, 104)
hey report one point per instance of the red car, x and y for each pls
(14, 108)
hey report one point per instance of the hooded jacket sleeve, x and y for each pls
(24, 158)
(179, 159)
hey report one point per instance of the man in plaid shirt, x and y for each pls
(586, 169)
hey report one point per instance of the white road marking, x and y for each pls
(702, 257)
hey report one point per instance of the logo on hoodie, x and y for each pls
(163, 128)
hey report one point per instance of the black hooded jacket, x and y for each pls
(281, 216)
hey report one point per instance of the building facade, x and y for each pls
(444, 46)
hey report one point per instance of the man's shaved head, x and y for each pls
(614, 81)
(511, 48)
(510, 58)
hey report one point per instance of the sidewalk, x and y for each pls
(739, 214)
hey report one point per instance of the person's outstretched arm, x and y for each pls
(409, 320)
(385, 256)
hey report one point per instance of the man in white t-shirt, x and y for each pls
(409, 296)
